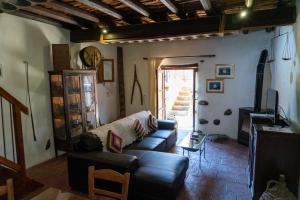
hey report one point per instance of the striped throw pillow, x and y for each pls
(139, 129)
(152, 123)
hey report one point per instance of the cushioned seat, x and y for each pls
(162, 133)
(149, 143)
(160, 172)
(169, 135)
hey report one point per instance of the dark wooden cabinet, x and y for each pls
(244, 124)
(74, 105)
(271, 153)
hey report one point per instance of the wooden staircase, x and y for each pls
(11, 110)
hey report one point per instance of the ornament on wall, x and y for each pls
(228, 112)
(217, 122)
(203, 121)
(90, 57)
(203, 103)
(136, 81)
(286, 54)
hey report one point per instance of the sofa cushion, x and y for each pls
(163, 173)
(139, 129)
(149, 143)
(162, 134)
(114, 142)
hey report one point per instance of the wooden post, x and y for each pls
(121, 82)
(19, 138)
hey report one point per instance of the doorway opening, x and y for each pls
(176, 89)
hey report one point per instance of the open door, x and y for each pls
(177, 94)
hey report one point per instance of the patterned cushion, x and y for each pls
(152, 123)
(139, 129)
(114, 142)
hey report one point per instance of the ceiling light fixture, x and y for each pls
(243, 13)
(135, 7)
(169, 5)
(104, 31)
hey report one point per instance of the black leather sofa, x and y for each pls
(155, 174)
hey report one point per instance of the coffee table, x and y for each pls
(193, 145)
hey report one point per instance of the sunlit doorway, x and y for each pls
(176, 89)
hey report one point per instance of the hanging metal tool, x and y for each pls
(29, 100)
(286, 54)
(136, 81)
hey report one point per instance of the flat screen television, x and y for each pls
(272, 105)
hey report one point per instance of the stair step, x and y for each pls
(182, 103)
(178, 113)
(185, 108)
(183, 98)
(184, 93)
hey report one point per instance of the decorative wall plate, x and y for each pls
(90, 57)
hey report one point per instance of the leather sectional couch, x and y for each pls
(155, 174)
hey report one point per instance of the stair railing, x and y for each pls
(12, 151)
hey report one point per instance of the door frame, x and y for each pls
(195, 68)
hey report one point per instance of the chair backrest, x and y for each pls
(108, 175)
(8, 189)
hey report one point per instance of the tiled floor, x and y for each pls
(223, 174)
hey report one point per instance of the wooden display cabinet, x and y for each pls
(74, 105)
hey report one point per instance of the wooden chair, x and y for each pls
(107, 175)
(8, 189)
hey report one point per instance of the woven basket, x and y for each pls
(277, 191)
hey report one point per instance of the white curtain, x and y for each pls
(153, 64)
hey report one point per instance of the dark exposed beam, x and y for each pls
(85, 35)
(102, 8)
(62, 7)
(206, 25)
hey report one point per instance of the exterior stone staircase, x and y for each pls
(182, 103)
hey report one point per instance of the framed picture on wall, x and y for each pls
(106, 74)
(225, 70)
(214, 86)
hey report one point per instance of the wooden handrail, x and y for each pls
(17, 107)
(13, 101)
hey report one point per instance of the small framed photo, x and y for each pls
(225, 71)
(214, 86)
(106, 72)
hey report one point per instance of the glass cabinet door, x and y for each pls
(89, 101)
(74, 104)
(57, 100)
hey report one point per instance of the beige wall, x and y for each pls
(286, 74)
(108, 93)
(21, 40)
(241, 50)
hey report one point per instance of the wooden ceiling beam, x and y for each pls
(38, 10)
(62, 7)
(249, 3)
(170, 5)
(102, 8)
(138, 7)
(205, 25)
(206, 4)
(16, 5)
